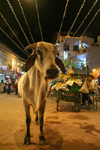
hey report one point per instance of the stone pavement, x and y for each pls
(63, 130)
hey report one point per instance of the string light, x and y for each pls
(25, 20)
(62, 19)
(17, 20)
(91, 21)
(76, 17)
(38, 19)
(85, 17)
(12, 40)
(12, 30)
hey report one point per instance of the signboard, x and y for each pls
(7, 72)
(4, 67)
(19, 70)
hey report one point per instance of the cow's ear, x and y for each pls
(30, 62)
(60, 64)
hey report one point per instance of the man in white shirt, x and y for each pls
(92, 90)
(9, 85)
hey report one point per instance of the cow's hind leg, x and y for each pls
(36, 119)
(42, 140)
(28, 121)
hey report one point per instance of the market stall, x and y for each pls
(69, 91)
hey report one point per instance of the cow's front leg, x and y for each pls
(42, 140)
(28, 121)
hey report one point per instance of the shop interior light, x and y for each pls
(94, 70)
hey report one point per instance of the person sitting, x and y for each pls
(92, 90)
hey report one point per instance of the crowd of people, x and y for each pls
(10, 86)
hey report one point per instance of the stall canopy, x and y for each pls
(94, 58)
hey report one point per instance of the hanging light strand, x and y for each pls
(91, 21)
(38, 19)
(62, 19)
(12, 31)
(12, 40)
(25, 20)
(76, 17)
(17, 20)
(85, 17)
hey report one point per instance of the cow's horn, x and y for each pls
(31, 46)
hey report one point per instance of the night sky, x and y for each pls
(51, 13)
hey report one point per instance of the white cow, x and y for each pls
(34, 84)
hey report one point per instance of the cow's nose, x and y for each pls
(51, 72)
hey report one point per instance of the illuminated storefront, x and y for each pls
(10, 65)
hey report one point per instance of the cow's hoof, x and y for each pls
(42, 142)
(26, 141)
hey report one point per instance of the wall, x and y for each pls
(94, 57)
(88, 40)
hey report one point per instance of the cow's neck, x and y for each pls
(36, 77)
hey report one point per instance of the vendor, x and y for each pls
(92, 90)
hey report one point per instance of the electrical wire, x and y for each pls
(76, 17)
(25, 20)
(12, 40)
(13, 32)
(12, 52)
(38, 19)
(85, 17)
(62, 19)
(91, 21)
(17, 20)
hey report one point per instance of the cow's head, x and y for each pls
(45, 57)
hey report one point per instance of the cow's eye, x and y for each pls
(39, 52)
(41, 55)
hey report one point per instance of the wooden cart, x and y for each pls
(77, 98)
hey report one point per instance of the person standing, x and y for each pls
(9, 85)
(99, 85)
(16, 86)
(92, 90)
(2, 88)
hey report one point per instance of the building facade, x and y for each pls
(10, 65)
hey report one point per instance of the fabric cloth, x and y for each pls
(92, 90)
(93, 86)
(9, 81)
(85, 97)
(16, 82)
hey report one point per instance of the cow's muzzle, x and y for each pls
(52, 73)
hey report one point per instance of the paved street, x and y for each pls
(63, 130)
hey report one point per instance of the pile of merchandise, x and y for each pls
(64, 85)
